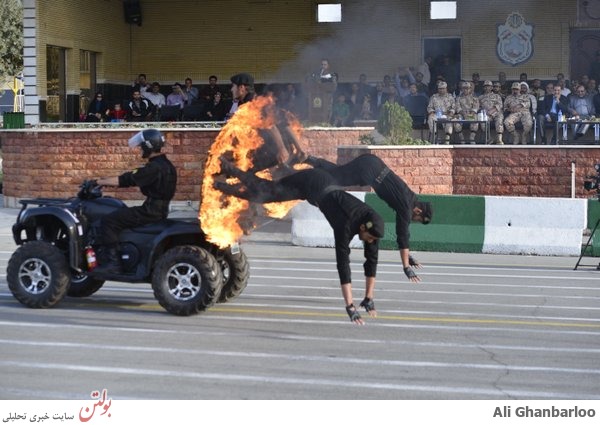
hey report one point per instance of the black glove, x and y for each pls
(368, 304)
(412, 261)
(409, 272)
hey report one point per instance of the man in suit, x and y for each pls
(549, 109)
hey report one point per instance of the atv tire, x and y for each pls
(38, 275)
(83, 285)
(236, 272)
(186, 280)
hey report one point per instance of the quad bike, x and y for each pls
(55, 236)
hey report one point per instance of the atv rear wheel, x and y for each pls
(38, 275)
(83, 285)
(186, 280)
(236, 271)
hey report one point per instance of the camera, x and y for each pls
(593, 182)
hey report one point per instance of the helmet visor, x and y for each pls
(136, 140)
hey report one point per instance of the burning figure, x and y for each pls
(258, 136)
(347, 216)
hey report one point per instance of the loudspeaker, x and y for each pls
(133, 12)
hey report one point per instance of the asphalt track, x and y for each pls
(477, 327)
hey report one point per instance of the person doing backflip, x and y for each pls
(347, 216)
(157, 180)
(370, 170)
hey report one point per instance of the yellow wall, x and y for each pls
(279, 40)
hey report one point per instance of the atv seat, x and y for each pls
(154, 228)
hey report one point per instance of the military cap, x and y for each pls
(487, 83)
(516, 85)
(442, 85)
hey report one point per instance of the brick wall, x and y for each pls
(543, 171)
(52, 163)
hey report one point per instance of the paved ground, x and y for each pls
(477, 327)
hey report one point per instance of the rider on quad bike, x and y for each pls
(54, 236)
(157, 180)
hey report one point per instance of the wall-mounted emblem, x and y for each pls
(515, 40)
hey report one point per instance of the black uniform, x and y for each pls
(370, 170)
(344, 212)
(157, 180)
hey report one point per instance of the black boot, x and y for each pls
(111, 263)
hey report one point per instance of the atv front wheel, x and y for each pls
(83, 285)
(38, 274)
(186, 280)
(236, 272)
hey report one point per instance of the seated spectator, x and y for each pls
(581, 107)
(155, 96)
(117, 113)
(532, 98)
(177, 96)
(549, 109)
(591, 87)
(97, 110)
(217, 108)
(340, 113)
(138, 108)
(518, 108)
(365, 111)
(416, 105)
(537, 90)
(467, 106)
(492, 103)
(441, 104)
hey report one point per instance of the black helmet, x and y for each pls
(150, 140)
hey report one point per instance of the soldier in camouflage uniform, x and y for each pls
(518, 106)
(494, 108)
(467, 107)
(444, 102)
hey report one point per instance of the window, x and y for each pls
(329, 12)
(443, 10)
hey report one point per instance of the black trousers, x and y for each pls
(126, 218)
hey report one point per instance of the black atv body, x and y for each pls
(188, 274)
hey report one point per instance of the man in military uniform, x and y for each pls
(492, 104)
(441, 103)
(466, 107)
(518, 107)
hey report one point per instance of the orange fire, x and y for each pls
(224, 219)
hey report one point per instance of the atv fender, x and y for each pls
(29, 218)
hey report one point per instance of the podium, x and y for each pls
(320, 100)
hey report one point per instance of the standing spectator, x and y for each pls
(504, 84)
(518, 107)
(537, 90)
(560, 80)
(591, 87)
(139, 109)
(140, 84)
(242, 91)
(492, 103)
(208, 92)
(364, 88)
(190, 92)
(477, 84)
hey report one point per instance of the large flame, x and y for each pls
(224, 219)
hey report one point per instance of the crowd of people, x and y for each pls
(433, 94)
